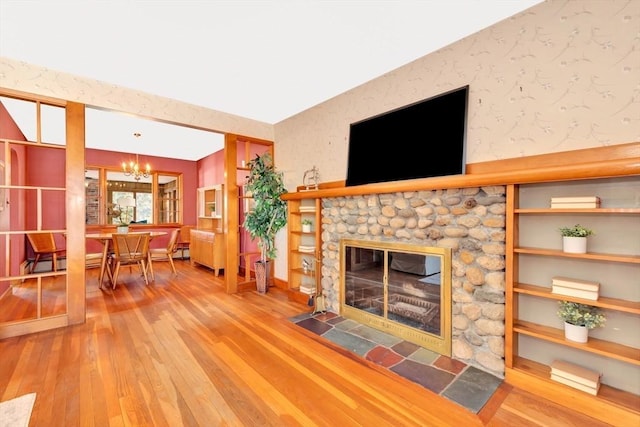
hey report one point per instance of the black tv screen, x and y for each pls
(421, 140)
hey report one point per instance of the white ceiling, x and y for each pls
(261, 59)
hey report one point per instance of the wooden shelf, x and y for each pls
(610, 403)
(579, 211)
(301, 271)
(632, 259)
(594, 345)
(304, 233)
(626, 306)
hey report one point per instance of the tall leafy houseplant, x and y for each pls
(269, 214)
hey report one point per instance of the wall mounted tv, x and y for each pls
(421, 140)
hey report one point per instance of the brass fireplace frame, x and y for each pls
(437, 342)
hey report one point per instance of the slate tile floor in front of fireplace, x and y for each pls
(465, 385)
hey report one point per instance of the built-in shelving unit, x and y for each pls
(305, 249)
(534, 334)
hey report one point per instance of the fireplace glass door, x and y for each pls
(401, 289)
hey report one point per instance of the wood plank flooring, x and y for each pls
(182, 352)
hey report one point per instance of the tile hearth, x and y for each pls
(465, 385)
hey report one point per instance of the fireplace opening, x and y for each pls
(401, 289)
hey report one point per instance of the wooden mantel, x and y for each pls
(601, 162)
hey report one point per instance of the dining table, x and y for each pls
(106, 238)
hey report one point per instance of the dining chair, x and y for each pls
(184, 241)
(130, 249)
(44, 245)
(93, 260)
(165, 253)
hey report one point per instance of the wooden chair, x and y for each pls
(44, 245)
(184, 240)
(166, 253)
(130, 249)
(93, 260)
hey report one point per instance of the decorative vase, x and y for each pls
(576, 333)
(262, 276)
(122, 229)
(574, 245)
(306, 228)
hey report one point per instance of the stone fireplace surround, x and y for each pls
(470, 221)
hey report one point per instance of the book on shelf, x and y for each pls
(578, 199)
(577, 373)
(307, 209)
(573, 292)
(575, 205)
(568, 282)
(307, 289)
(305, 248)
(576, 385)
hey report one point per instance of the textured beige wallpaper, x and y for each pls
(562, 75)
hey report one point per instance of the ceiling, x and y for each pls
(261, 59)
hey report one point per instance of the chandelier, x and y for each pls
(133, 168)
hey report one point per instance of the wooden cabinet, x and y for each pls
(305, 250)
(208, 248)
(208, 241)
(534, 335)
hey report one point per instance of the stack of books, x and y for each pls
(307, 208)
(585, 202)
(306, 248)
(575, 376)
(307, 288)
(575, 288)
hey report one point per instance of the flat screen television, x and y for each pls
(421, 140)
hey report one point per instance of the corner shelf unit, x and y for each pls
(304, 264)
(534, 335)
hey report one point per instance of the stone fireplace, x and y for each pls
(470, 222)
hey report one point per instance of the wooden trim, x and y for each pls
(585, 155)
(76, 208)
(11, 93)
(231, 223)
(601, 162)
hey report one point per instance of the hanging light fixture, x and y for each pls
(133, 169)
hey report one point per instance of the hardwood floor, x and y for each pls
(182, 352)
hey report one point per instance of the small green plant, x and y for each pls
(306, 222)
(578, 314)
(576, 231)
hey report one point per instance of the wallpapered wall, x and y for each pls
(562, 75)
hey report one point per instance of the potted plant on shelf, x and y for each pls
(269, 213)
(306, 225)
(574, 239)
(578, 319)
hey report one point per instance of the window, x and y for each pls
(168, 198)
(129, 200)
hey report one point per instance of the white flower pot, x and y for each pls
(574, 245)
(576, 333)
(122, 229)
(306, 228)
